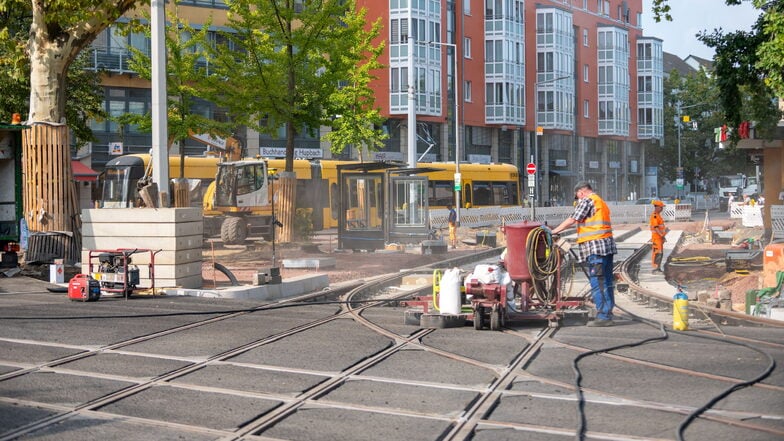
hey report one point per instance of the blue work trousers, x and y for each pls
(600, 270)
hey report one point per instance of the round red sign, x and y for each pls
(531, 168)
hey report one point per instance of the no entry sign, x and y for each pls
(531, 168)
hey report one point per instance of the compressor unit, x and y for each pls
(526, 284)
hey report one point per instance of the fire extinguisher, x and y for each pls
(680, 311)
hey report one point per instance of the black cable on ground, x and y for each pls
(226, 311)
(699, 411)
(664, 336)
(581, 425)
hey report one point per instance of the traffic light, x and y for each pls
(743, 130)
(720, 134)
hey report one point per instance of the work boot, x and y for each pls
(599, 323)
(657, 271)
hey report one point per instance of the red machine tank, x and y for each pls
(516, 260)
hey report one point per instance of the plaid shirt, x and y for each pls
(601, 247)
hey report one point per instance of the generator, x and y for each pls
(83, 288)
(115, 272)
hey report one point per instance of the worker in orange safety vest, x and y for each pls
(658, 233)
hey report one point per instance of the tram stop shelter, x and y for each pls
(380, 203)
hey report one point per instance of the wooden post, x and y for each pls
(48, 178)
(286, 189)
(49, 193)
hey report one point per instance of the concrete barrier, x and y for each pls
(174, 233)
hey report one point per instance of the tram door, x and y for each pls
(409, 215)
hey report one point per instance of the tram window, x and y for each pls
(500, 195)
(483, 194)
(441, 193)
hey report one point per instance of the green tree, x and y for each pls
(186, 80)
(285, 63)
(700, 156)
(59, 31)
(748, 65)
(83, 94)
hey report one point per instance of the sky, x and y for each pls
(692, 16)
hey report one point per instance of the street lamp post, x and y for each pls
(458, 199)
(679, 121)
(537, 132)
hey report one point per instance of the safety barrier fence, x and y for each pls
(495, 216)
(777, 221)
(752, 215)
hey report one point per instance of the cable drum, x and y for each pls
(544, 262)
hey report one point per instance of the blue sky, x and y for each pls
(692, 16)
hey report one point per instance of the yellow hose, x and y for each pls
(436, 287)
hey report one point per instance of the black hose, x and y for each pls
(270, 307)
(227, 273)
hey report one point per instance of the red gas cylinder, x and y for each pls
(516, 259)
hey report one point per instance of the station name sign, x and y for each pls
(280, 152)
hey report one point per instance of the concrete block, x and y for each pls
(153, 243)
(165, 257)
(288, 288)
(310, 263)
(486, 239)
(190, 282)
(434, 247)
(134, 215)
(147, 229)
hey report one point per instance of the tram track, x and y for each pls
(355, 290)
(355, 301)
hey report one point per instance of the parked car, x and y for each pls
(645, 201)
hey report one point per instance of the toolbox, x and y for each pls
(83, 288)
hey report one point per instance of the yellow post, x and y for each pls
(680, 312)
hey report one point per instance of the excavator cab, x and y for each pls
(241, 185)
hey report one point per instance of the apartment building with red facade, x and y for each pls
(584, 65)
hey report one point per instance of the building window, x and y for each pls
(467, 7)
(585, 73)
(467, 91)
(586, 109)
(467, 47)
(585, 37)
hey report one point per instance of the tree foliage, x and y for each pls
(186, 80)
(84, 95)
(700, 156)
(748, 65)
(284, 62)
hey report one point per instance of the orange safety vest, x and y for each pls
(596, 226)
(657, 224)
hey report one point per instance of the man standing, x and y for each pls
(658, 231)
(596, 246)
(452, 221)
